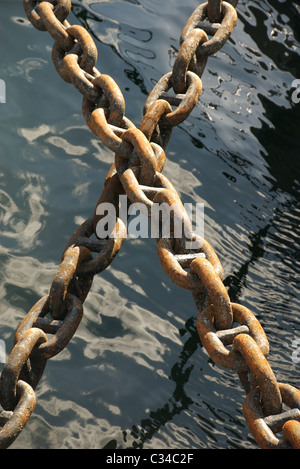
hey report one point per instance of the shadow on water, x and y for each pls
(180, 401)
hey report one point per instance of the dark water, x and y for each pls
(135, 374)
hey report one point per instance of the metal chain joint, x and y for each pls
(229, 332)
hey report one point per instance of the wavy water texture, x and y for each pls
(135, 375)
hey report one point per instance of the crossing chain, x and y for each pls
(229, 332)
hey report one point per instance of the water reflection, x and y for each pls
(22, 215)
(135, 374)
(274, 25)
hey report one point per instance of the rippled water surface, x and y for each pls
(135, 373)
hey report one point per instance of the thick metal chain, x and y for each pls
(230, 332)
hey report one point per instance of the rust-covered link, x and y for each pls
(154, 125)
(26, 401)
(214, 44)
(15, 363)
(106, 118)
(61, 11)
(255, 417)
(214, 11)
(216, 292)
(61, 334)
(291, 433)
(187, 60)
(192, 88)
(172, 266)
(214, 346)
(54, 26)
(134, 139)
(262, 373)
(85, 48)
(68, 67)
(61, 282)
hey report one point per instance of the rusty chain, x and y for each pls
(229, 332)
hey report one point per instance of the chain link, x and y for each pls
(137, 173)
